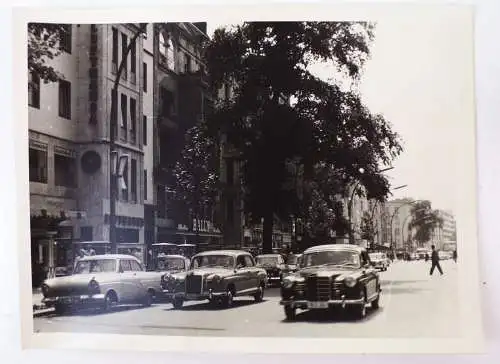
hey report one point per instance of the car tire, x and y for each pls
(177, 303)
(60, 309)
(148, 299)
(359, 311)
(375, 304)
(110, 300)
(259, 296)
(290, 312)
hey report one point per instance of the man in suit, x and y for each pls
(435, 261)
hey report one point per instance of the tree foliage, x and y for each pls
(196, 174)
(43, 46)
(281, 112)
(424, 221)
(367, 228)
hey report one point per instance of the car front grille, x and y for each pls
(193, 284)
(337, 290)
(66, 291)
(318, 288)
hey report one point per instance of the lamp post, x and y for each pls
(113, 154)
(349, 204)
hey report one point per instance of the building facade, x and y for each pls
(69, 126)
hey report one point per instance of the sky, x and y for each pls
(416, 78)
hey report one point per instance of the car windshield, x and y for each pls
(376, 256)
(206, 261)
(95, 266)
(338, 258)
(171, 263)
(267, 260)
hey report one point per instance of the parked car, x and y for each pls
(274, 265)
(331, 276)
(379, 261)
(218, 276)
(102, 281)
(172, 263)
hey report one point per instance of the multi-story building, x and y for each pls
(395, 221)
(444, 236)
(182, 99)
(69, 126)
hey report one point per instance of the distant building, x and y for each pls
(444, 237)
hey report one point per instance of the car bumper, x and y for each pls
(304, 304)
(208, 295)
(81, 300)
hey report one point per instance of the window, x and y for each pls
(230, 211)
(114, 111)
(64, 171)
(124, 115)
(135, 267)
(144, 130)
(249, 261)
(114, 59)
(38, 165)
(240, 261)
(145, 77)
(65, 34)
(167, 102)
(133, 121)
(125, 178)
(170, 54)
(125, 266)
(133, 61)
(124, 56)
(229, 172)
(86, 233)
(65, 99)
(163, 45)
(133, 180)
(34, 90)
(145, 185)
(187, 65)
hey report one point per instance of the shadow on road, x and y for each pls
(333, 316)
(208, 306)
(89, 311)
(408, 290)
(393, 283)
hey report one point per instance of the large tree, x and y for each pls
(196, 175)
(43, 46)
(280, 112)
(424, 220)
(368, 229)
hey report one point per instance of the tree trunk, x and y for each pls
(267, 233)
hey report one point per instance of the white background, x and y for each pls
(488, 109)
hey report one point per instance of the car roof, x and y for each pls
(176, 256)
(268, 255)
(223, 252)
(109, 256)
(335, 247)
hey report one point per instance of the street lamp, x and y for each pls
(113, 154)
(349, 204)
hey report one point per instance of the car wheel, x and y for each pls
(290, 313)
(359, 311)
(228, 300)
(110, 300)
(60, 309)
(259, 296)
(375, 302)
(148, 299)
(177, 303)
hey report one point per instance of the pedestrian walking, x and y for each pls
(435, 261)
(455, 256)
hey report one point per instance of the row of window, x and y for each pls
(115, 61)
(64, 95)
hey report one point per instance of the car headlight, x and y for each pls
(287, 283)
(350, 282)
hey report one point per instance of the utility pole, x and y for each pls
(113, 156)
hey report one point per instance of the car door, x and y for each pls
(242, 281)
(253, 277)
(370, 276)
(126, 282)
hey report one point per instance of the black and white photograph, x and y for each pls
(290, 176)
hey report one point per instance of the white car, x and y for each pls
(379, 261)
(102, 281)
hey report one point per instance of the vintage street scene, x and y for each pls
(268, 179)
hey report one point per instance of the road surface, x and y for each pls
(413, 304)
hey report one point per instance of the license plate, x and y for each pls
(317, 305)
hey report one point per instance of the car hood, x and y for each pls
(79, 279)
(330, 272)
(205, 272)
